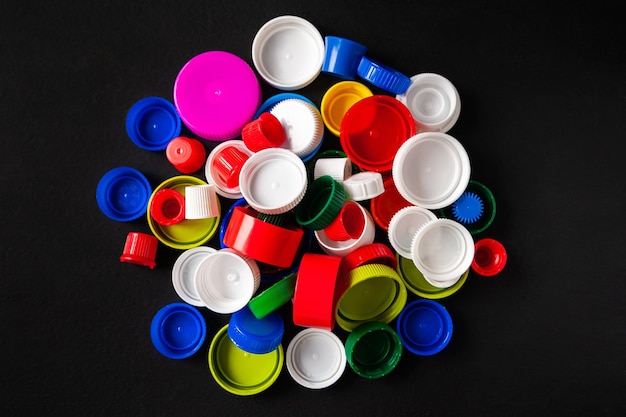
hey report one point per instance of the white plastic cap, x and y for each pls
(344, 247)
(315, 358)
(403, 226)
(201, 202)
(442, 284)
(364, 185)
(288, 52)
(442, 250)
(273, 180)
(212, 176)
(225, 281)
(431, 170)
(303, 125)
(338, 168)
(433, 101)
(184, 273)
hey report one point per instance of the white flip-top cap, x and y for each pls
(431, 170)
(225, 281)
(315, 358)
(403, 226)
(184, 273)
(288, 52)
(273, 180)
(442, 250)
(303, 125)
(433, 101)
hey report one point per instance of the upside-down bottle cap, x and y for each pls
(256, 335)
(152, 122)
(178, 330)
(167, 207)
(425, 327)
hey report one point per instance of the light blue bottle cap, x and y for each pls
(383, 76)
(178, 330)
(342, 57)
(152, 122)
(123, 193)
(425, 327)
(256, 335)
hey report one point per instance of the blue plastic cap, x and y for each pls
(383, 76)
(123, 193)
(468, 208)
(178, 330)
(256, 335)
(152, 122)
(425, 327)
(343, 57)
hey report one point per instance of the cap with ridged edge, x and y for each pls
(375, 292)
(373, 253)
(425, 327)
(419, 285)
(373, 349)
(274, 297)
(364, 185)
(183, 273)
(211, 172)
(321, 203)
(201, 202)
(187, 155)
(264, 132)
(302, 124)
(256, 335)
(383, 76)
(216, 93)
(403, 226)
(140, 249)
(168, 207)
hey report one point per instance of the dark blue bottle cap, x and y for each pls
(152, 122)
(342, 57)
(425, 327)
(383, 76)
(178, 330)
(256, 335)
(123, 193)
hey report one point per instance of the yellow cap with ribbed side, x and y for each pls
(375, 292)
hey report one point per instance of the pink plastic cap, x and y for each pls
(216, 93)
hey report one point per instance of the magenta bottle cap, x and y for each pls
(216, 93)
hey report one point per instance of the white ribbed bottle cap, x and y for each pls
(344, 247)
(273, 180)
(442, 284)
(364, 185)
(211, 172)
(442, 250)
(201, 202)
(338, 168)
(433, 101)
(303, 125)
(403, 226)
(225, 281)
(288, 52)
(431, 170)
(184, 272)
(315, 358)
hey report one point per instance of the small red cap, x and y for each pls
(385, 205)
(140, 249)
(264, 132)
(167, 207)
(228, 163)
(489, 257)
(348, 224)
(187, 155)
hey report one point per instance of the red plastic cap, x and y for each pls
(264, 132)
(489, 257)
(348, 224)
(167, 207)
(385, 205)
(140, 249)
(228, 163)
(187, 155)
(373, 130)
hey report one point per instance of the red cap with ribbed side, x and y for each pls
(140, 249)
(228, 163)
(167, 207)
(264, 132)
(187, 155)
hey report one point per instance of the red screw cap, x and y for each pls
(266, 131)
(489, 257)
(168, 207)
(228, 163)
(140, 249)
(187, 155)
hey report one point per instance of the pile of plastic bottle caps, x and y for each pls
(300, 234)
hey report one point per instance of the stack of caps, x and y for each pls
(398, 170)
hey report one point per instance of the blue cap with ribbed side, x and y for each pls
(256, 335)
(383, 76)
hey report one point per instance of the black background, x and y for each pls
(543, 93)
